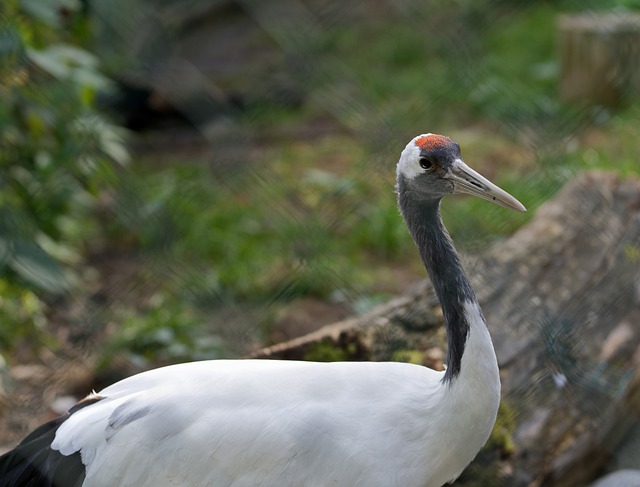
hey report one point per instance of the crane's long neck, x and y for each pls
(451, 284)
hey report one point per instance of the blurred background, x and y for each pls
(191, 179)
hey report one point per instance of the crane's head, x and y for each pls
(431, 167)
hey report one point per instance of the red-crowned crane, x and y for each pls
(271, 423)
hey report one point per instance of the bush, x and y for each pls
(57, 152)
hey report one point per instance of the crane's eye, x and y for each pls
(426, 163)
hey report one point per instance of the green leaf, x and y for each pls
(67, 62)
(111, 138)
(11, 47)
(48, 11)
(5, 251)
(34, 265)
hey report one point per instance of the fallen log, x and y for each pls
(562, 301)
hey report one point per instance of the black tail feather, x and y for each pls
(33, 463)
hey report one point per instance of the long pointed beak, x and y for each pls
(466, 180)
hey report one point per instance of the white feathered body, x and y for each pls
(241, 423)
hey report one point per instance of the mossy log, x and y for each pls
(599, 57)
(562, 301)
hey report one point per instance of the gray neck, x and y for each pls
(442, 262)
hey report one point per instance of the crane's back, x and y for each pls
(266, 423)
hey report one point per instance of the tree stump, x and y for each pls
(599, 57)
(562, 302)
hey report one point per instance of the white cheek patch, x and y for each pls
(409, 163)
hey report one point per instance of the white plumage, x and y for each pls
(241, 423)
(276, 423)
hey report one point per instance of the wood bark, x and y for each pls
(562, 302)
(599, 56)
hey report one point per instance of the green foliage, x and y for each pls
(501, 437)
(57, 152)
(167, 330)
(415, 357)
(251, 249)
(22, 315)
(290, 229)
(515, 84)
(325, 351)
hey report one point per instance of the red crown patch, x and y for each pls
(432, 141)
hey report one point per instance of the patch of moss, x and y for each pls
(502, 435)
(325, 351)
(408, 356)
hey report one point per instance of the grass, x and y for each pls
(297, 216)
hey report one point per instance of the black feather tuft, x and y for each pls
(33, 463)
